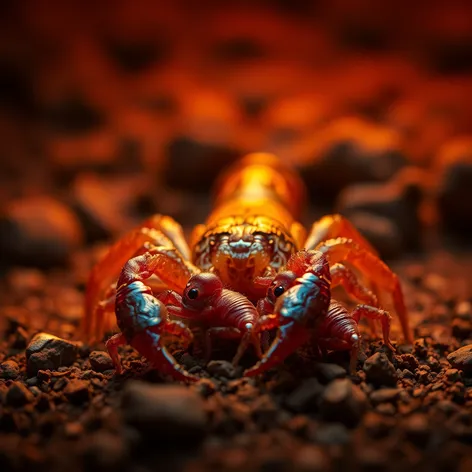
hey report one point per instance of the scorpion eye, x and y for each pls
(278, 291)
(192, 293)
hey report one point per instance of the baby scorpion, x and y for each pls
(251, 235)
(299, 303)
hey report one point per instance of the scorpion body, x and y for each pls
(250, 251)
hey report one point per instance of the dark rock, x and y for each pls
(102, 204)
(327, 371)
(379, 370)
(452, 375)
(38, 231)
(77, 391)
(417, 429)
(344, 402)
(380, 231)
(164, 413)
(366, 152)
(18, 395)
(136, 56)
(305, 397)
(193, 165)
(205, 387)
(100, 361)
(311, 458)
(104, 451)
(462, 359)
(73, 116)
(385, 395)
(387, 214)
(461, 329)
(332, 434)
(222, 369)
(9, 370)
(48, 352)
(454, 170)
(238, 49)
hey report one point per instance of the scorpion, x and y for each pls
(251, 268)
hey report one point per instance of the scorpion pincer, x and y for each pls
(144, 320)
(299, 304)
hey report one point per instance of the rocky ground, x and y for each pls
(62, 406)
(108, 114)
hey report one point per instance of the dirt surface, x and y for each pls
(408, 410)
(109, 113)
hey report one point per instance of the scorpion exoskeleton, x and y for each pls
(251, 251)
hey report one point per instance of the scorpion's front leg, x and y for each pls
(347, 250)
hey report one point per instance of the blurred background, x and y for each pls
(112, 110)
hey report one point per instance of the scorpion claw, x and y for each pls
(289, 338)
(149, 344)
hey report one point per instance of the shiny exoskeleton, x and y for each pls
(248, 238)
(299, 303)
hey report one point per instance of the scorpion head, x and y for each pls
(240, 251)
(200, 289)
(282, 282)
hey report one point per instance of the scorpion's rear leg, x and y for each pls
(344, 276)
(347, 250)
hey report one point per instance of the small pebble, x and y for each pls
(379, 370)
(222, 369)
(48, 352)
(305, 397)
(18, 395)
(169, 412)
(385, 395)
(9, 370)
(100, 361)
(462, 359)
(327, 372)
(344, 402)
(77, 391)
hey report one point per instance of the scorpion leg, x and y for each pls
(335, 226)
(149, 344)
(374, 313)
(112, 347)
(344, 276)
(173, 230)
(290, 337)
(347, 250)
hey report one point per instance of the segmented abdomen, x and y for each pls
(234, 310)
(338, 323)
